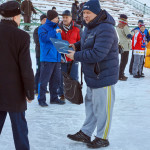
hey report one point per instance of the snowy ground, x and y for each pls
(130, 130)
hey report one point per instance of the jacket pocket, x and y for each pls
(91, 70)
(97, 69)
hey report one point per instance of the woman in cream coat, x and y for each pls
(125, 37)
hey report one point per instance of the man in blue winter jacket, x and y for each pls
(99, 57)
(50, 60)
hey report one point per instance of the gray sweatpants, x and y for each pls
(137, 65)
(99, 106)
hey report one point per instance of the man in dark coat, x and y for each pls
(74, 10)
(80, 15)
(16, 77)
(27, 8)
(100, 65)
(37, 50)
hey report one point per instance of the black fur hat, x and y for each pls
(10, 9)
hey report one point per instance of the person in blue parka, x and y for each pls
(50, 60)
(100, 65)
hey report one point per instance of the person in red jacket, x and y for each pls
(71, 33)
(138, 47)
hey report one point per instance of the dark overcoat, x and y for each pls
(16, 74)
(27, 8)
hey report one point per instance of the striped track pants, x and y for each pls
(99, 107)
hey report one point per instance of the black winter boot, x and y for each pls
(80, 137)
(142, 76)
(123, 78)
(98, 143)
(136, 76)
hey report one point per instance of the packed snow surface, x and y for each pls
(48, 127)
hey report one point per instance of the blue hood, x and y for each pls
(50, 23)
(109, 19)
(103, 17)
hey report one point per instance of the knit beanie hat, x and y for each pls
(42, 17)
(123, 19)
(51, 14)
(93, 6)
(123, 16)
(140, 21)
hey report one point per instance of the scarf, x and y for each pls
(123, 22)
(67, 28)
(143, 45)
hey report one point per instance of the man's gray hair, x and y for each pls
(5, 18)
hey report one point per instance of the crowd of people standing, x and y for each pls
(47, 55)
(99, 65)
(135, 40)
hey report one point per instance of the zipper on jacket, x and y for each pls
(97, 70)
(57, 56)
(48, 52)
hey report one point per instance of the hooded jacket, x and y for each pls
(99, 52)
(48, 52)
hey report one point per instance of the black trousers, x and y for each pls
(131, 63)
(19, 128)
(123, 63)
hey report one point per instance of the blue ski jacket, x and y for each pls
(48, 52)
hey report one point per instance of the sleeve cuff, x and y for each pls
(77, 45)
(76, 56)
